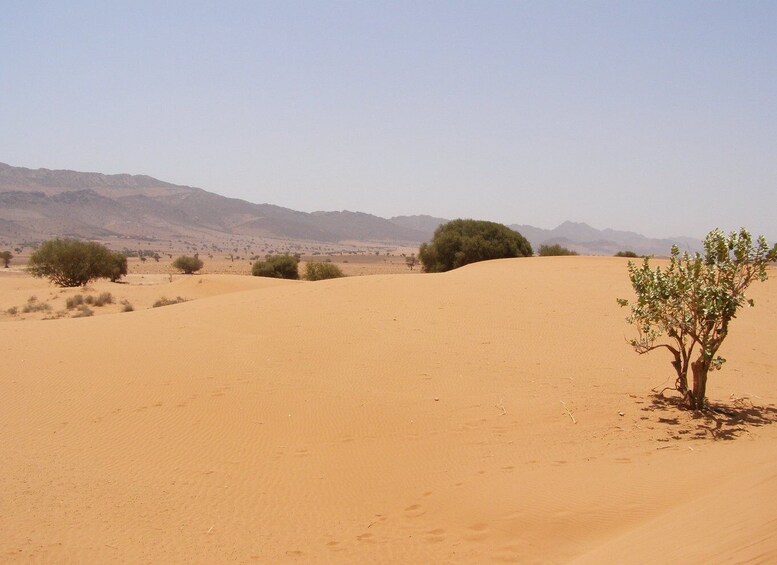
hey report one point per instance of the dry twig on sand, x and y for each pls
(568, 412)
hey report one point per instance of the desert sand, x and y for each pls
(487, 415)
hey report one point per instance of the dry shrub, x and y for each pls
(74, 301)
(167, 301)
(34, 306)
(103, 299)
(83, 311)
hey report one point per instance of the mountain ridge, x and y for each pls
(43, 203)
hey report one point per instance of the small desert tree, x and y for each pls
(6, 257)
(410, 261)
(554, 250)
(277, 266)
(188, 265)
(322, 271)
(461, 242)
(118, 266)
(692, 303)
(70, 262)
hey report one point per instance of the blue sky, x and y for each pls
(657, 117)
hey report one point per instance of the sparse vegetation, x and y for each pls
(70, 262)
(118, 266)
(188, 265)
(33, 305)
(692, 302)
(554, 250)
(126, 306)
(411, 261)
(277, 266)
(12, 311)
(83, 311)
(103, 299)
(77, 300)
(461, 242)
(629, 254)
(74, 301)
(5, 257)
(163, 301)
(322, 271)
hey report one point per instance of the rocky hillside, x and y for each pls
(42, 203)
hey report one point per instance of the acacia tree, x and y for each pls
(277, 266)
(461, 242)
(118, 266)
(5, 257)
(322, 271)
(70, 262)
(688, 306)
(188, 265)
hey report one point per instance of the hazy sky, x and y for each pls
(657, 117)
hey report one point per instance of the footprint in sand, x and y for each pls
(414, 511)
(435, 536)
(334, 546)
(508, 554)
(476, 532)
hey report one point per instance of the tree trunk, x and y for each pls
(682, 381)
(700, 369)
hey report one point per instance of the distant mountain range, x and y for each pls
(37, 204)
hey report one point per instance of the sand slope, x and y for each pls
(384, 419)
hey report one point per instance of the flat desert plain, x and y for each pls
(490, 414)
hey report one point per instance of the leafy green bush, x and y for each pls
(70, 262)
(692, 301)
(461, 242)
(277, 266)
(554, 250)
(322, 271)
(188, 265)
(118, 266)
(629, 254)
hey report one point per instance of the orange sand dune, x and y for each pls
(383, 419)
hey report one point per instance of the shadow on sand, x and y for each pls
(721, 421)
